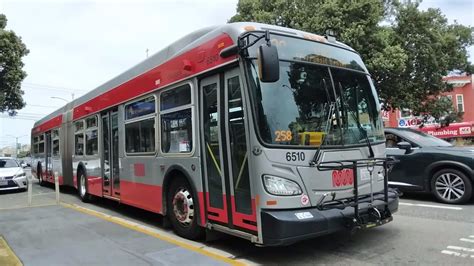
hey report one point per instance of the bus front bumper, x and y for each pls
(284, 227)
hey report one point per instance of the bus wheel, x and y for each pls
(82, 188)
(182, 210)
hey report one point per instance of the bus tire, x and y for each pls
(39, 173)
(182, 211)
(82, 187)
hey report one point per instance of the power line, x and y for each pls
(32, 114)
(49, 87)
(44, 106)
(20, 117)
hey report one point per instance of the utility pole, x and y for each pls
(16, 143)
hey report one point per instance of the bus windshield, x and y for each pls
(313, 102)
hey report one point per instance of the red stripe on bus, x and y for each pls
(239, 218)
(50, 179)
(144, 196)
(201, 208)
(217, 214)
(51, 123)
(74, 181)
(94, 185)
(194, 61)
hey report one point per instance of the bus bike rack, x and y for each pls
(378, 218)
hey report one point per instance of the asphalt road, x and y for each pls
(423, 232)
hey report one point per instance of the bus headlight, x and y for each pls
(281, 186)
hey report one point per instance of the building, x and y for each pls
(7, 151)
(462, 96)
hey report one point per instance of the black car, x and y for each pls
(429, 164)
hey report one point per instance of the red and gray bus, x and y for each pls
(263, 132)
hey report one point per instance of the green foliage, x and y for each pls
(470, 69)
(442, 110)
(406, 50)
(23, 154)
(12, 50)
(433, 48)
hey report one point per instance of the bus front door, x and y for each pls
(110, 164)
(48, 164)
(229, 198)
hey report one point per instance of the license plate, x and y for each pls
(3, 182)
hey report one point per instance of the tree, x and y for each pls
(433, 48)
(441, 110)
(12, 49)
(406, 50)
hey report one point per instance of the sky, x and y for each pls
(76, 46)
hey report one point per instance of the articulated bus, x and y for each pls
(263, 132)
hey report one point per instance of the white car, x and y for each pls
(12, 175)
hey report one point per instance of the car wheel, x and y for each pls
(82, 188)
(181, 209)
(451, 186)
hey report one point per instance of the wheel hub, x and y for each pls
(183, 206)
(450, 186)
(83, 185)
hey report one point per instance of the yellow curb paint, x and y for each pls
(137, 228)
(7, 256)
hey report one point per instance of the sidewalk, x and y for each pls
(66, 235)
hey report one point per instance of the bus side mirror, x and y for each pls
(268, 63)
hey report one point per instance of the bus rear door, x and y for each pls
(48, 160)
(110, 163)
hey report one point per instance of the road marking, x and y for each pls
(461, 248)
(25, 207)
(42, 194)
(467, 240)
(472, 236)
(7, 256)
(430, 206)
(457, 254)
(204, 250)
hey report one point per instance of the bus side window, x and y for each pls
(91, 140)
(176, 120)
(41, 144)
(140, 126)
(55, 137)
(79, 138)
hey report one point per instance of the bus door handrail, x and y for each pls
(241, 170)
(214, 159)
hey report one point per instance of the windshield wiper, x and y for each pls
(332, 106)
(359, 126)
(323, 141)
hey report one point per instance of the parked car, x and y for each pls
(12, 175)
(430, 164)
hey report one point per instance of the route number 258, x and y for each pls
(283, 135)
